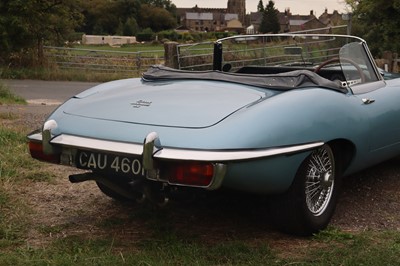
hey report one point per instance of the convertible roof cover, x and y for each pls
(282, 81)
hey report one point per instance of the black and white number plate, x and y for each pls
(112, 164)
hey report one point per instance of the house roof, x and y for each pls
(297, 22)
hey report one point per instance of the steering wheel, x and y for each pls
(347, 60)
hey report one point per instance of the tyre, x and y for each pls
(308, 205)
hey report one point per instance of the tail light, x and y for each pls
(191, 174)
(36, 151)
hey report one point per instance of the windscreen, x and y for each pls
(340, 58)
(356, 65)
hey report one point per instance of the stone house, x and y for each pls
(214, 19)
(290, 23)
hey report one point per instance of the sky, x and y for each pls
(301, 7)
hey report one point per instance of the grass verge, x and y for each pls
(368, 248)
(7, 97)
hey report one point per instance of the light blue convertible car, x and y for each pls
(280, 115)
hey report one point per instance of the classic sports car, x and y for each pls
(280, 115)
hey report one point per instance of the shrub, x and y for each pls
(145, 35)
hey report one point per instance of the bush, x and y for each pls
(168, 34)
(145, 35)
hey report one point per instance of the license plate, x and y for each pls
(110, 163)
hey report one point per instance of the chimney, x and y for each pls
(311, 12)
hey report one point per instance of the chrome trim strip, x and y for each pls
(179, 154)
(35, 137)
(230, 155)
(97, 144)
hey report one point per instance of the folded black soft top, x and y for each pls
(282, 81)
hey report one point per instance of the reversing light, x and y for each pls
(36, 151)
(191, 174)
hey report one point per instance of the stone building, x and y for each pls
(214, 19)
(234, 18)
(238, 7)
(334, 19)
(290, 23)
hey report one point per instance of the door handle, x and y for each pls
(367, 101)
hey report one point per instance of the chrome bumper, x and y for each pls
(173, 153)
(151, 150)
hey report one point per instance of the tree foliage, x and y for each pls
(28, 25)
(156, 18)
(31, 23)
(270, 20)
(111, 17)
(260, 6)
(166, 4)
(377, 21)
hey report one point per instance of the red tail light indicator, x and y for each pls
(191, 174)
(36, 151)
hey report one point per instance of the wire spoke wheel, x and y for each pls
(319, 180)
(308, 205)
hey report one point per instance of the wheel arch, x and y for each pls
(344, 152)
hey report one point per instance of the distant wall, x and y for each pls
(110, 40)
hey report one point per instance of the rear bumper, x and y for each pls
(168, 153)
(151, 153)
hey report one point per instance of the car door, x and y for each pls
(381, 102)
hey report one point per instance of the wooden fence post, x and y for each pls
(388, 56)
(171, 54)
(395, 63)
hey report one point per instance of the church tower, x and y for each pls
(238, 7)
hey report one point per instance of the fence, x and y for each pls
(197, 56)
(103, 61)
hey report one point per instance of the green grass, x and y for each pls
(368, 248)
(7, 97)
(16, 167)
(14, 159)
(125, 48)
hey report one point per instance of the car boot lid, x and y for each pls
(183, 103)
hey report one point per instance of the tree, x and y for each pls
(130, 27)
(377, 21)
(260, 6)
(156, 18)
(128, 9)
(103, 17)
(126, 16)
(270, 20)
(30, 23)
(166, 4)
